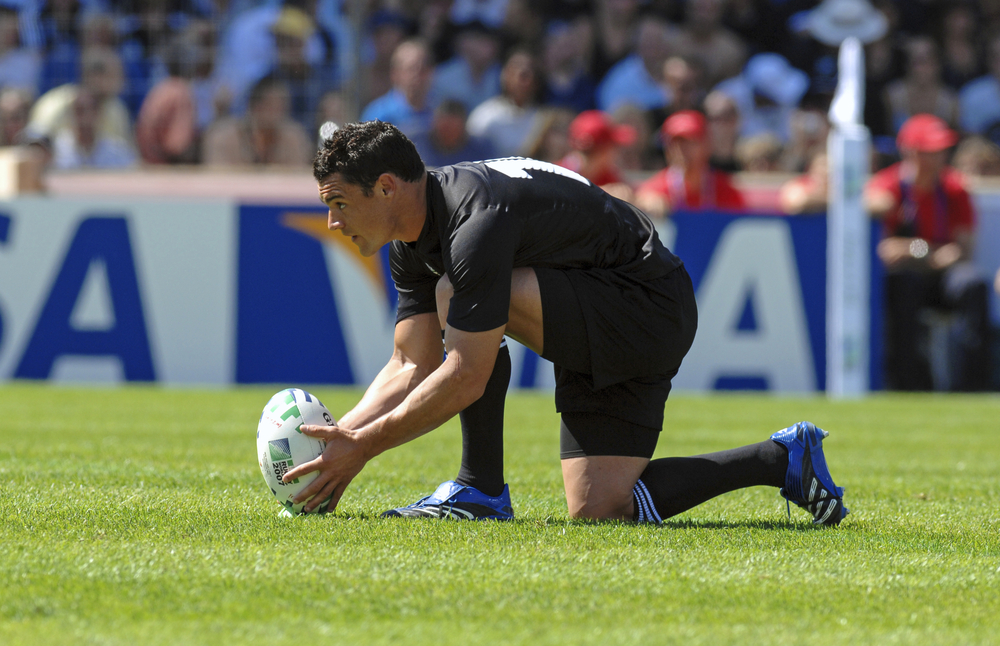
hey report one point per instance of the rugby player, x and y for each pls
(533, 251)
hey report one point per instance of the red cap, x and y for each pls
(686, 124)
(593, 128)
(926, 133)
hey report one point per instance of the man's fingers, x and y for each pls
(312, 430)
(320, 496)
(301, 470)
(315, 486)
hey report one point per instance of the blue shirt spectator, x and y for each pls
(448, 141)
(473, 75)
(636, 79)
(406, 105)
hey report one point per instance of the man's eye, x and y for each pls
(341, 205)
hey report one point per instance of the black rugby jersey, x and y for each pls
(486, 218)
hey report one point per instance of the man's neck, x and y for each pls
(413, 209)
(925, 181)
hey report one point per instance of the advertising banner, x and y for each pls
(214, 293)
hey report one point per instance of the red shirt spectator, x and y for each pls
(716, 191)
(688, 182)
(596, 141)
(936, 215)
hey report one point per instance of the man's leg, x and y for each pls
(628, 486)
(482, 422)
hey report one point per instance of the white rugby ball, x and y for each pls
(281, 444)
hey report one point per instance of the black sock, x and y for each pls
(482, 432)
(669, 486)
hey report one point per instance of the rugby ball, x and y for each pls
(281, 444)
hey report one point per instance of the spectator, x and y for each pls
(615, 26)
(448, 141)
(266, 135)
(180, 107)
(809, 192)
(809, 128)
(688, 182)
(703, 37)
(15, 105)
(139, 38)
(921, 90)
(307, 80)
(406, 105)
(977, 157)
(638, 79)
(473, 75)
(549, 139)
(929, 226)
(980, 99)
(488, 12)
(387, 31)
(333, 107)
(961, 45)
(596, 141)
(249, 49)
(685, 80)
(59, 24)
(723, 131)
(883, 65)
(102, 76)
(760, 153)
(766, 93)
(682, 79)
(524, 22)
(508, 119)
(20, 66)
(568, 83)
(82, 145)
(646, 152)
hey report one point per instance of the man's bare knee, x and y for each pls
(601, 509)
(443, 293)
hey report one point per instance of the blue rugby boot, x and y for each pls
(452, 500)
(807, 482)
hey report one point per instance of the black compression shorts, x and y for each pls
(616, 343)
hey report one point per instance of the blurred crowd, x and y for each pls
(657, 101)
(118, 83)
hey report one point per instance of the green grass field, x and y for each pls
(138, 516)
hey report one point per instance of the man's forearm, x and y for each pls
(394, 382)
(442, 395)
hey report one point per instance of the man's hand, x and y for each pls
(343, 458)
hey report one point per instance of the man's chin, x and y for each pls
(364, 247)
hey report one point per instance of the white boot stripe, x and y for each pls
(812, 490)
(829, 510)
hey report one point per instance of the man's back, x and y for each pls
(487, 218)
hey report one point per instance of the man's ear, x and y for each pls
(386, 185)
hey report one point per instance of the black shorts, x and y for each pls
(616, 342)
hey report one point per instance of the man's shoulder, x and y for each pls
(953, 182)
(886, 178)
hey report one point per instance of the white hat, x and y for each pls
(835, 20)
(773, 76)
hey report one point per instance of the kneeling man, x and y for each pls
(533, 251)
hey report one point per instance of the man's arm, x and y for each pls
(417, 353)
(452, 387)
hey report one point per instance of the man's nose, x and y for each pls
(333, 222)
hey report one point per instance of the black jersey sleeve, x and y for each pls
(415, 282)
(480, 260)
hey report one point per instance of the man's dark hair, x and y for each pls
(361, 152)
